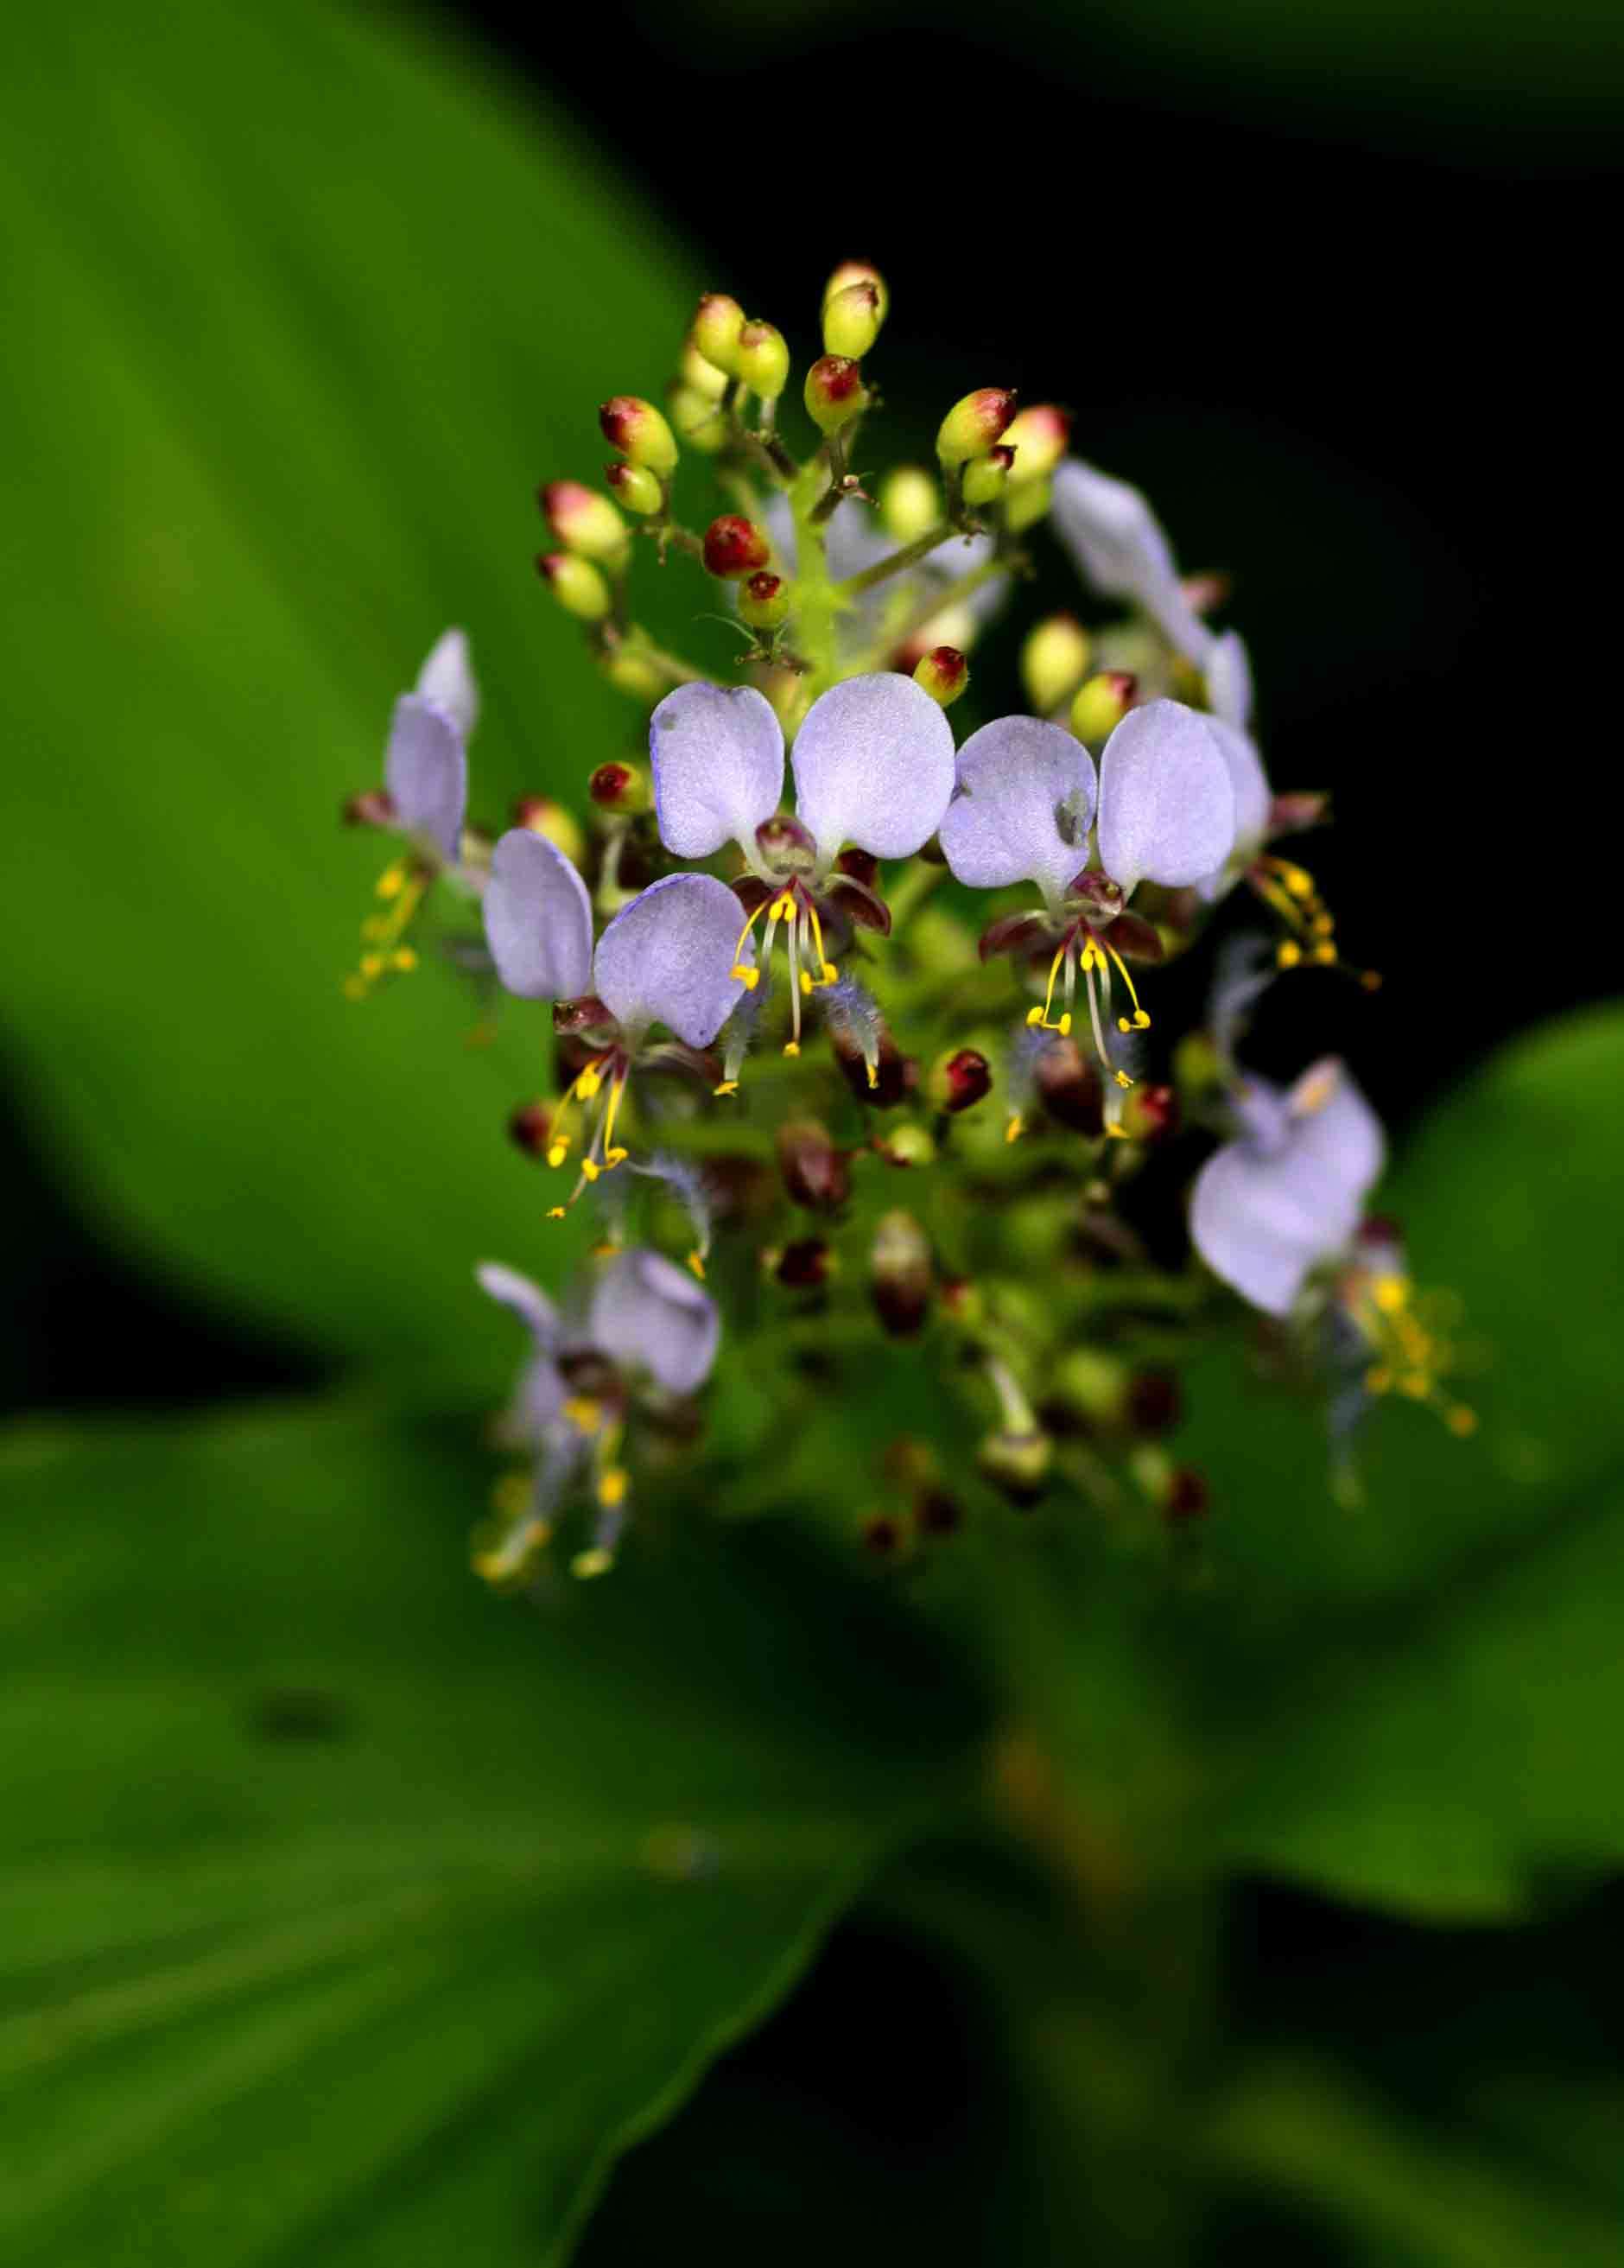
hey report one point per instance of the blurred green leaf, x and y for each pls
(300, 308)
(355, 1914)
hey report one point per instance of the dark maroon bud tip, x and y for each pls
(529, 1128)
(938, 1514)
(589, 1014)
(611, 784)
(1152, 1113)
(803, 1265)
(882, 1536)
(966, 1078)
(815, 1174)
(375, 807)
(1154, 1401)
(735, 547)
(1188, 1497)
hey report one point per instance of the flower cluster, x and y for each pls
(853, 993)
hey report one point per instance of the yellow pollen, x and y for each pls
(1122, 1079)
(584, 1412)
(1288, 953)
(591, 1168)
(1117, 1131)
(792, 1047)
(748, 977)
(614, 1158)
(558, 1152)
(596, 1561)
(806, 983)
(1391, 1293)
(391, 882)
(873, 1071)
(557, 1213)
(1325, 952)
(371, 965)
(728, 1086)
(612, 1488)
(1016, 1128)
(403, 959)
(588, 1084)
(696, 1262)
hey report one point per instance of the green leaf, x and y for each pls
(1422, 1690)
(302, 309)
(355, 1914)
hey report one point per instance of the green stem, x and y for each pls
(909, 556)
(928, 609)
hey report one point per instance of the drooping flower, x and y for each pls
(873, 767)
(664, 960)
(1162, 810)
(643, 1328)
(1286, 1196)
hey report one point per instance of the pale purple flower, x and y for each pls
(1229, 681)
(663, 960)
(1161, 810)
(1120, 548)
(873, 767)
(1286, 1196)
(426, 763)
(650, 1320)
(447, 679)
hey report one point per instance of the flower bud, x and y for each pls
(1068, 1085)
(851, 319)
(962, 1302)
(975, 424)
(1017, 1464)
(1102, 703)
(960, 1080)
(1188, 1496)
(631, 672)
(805, 1264)
(815, 1173)
(576, 585)
(701, 376)
(1093, 1386)
(899, 1273)
(1025, 503)
(717, 323)
(529, 1128)
(582, 520)
(735, 547)
(764, 602)
(638, 488)
(936, 1513)
(910, 503)
(697, 418)
(1149, 1113)
(1154, 1401)
(763, 360)
(944, 674)
(905, 1146)
(1054, 661)
(374, 807)
(984, 477)
(858, 271)
(620, 787)
(1039, 436)
(882, 1535)
(543, 816)
(638, 431)
(835, 393)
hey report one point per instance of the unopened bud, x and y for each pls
(858, 271)
(764, 602)
(1149, 1113)
(1025, 503)
(620, 787)
(1102, 703)
(697, 418)
(891, 1069)
(1054, 661)
(1069, 1087)
(582, 520)
(763, 360)
(984, 477)
(851, 319)
(835, 393)
(910, 503)
(631, 672)
(576, 585)
(905, 1146)
(374, 807)
(1018, 1464)
(1093, 1386)
(899, 1273)
(544, 816)
(805, 1264)
(936, 1513)
(962, 1302)
(1188, 1497)
(1154, 1401)
(882, 1535)
(815, 1173)
(638, 488)
(735, 547)
(529, 1128)
(1039, 436)
(975, 424)
(717, 323)
(639, 432)
(960, 1080)
(943, 674)
(704, 376)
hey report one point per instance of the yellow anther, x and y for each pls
(1034, 1017)
(748, 977)
(1461, 1420)
(391, 882)
(697, 1262)
(371, 966)
(614, 1158)
(831, 974)
(591, 1168)
(873, 1071)
(728, 1086)
(806, 983)
(1117, 1132)
(1288, 953)
(584, 1412)
(1391, 1293)
(1122, 1079)
(588, 1084)
(792, 1047)
(1325, 952)
(781, 908)
(1064, 1025)
(1322, 925)
(558, 1152)
(557, 1213)
(587, 1563)
(1016, 1128)
(405, 960)
(612, 1488)
(355, 988)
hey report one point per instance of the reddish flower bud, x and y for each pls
(638, 488)
(529, 1128)
(976, 423)
(1154, 1401)
(899, 1274)
(805, 1264)
(620, 787)
(1151, 1113)
(938, 1514)
(1068, 1085)
(639, 432)
(835, 393)
(958, 1081)
(576, 585)
(1188, 1497)
(764, 602)
(582, 520)
(944, 674)
(735, 547)
(374, 808)
(815, 1174)
(1039, 438)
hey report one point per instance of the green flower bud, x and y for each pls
(584, 521)
(1097, 1385)
(1054, 661)
(718, 323)
(633, 673)
(1102, 703)
(907, 1145)
(835, 393)
(943, 673)
(704, 377)
(697, 418)
(638, 488)
(857, 271)
(975, 424)
(1024, 504)
(851, 320)
(763, 360)
(576, 585)
(562, 828)
(910, 502)
(764, 602)
(900, 1270)
(984, 477)
(1039, 438)
(638, 431)
(1017, 1464)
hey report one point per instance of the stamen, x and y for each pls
(402, 887)
(1138, 1021)
(1039, 1019)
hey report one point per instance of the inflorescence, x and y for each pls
(872, 1026)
